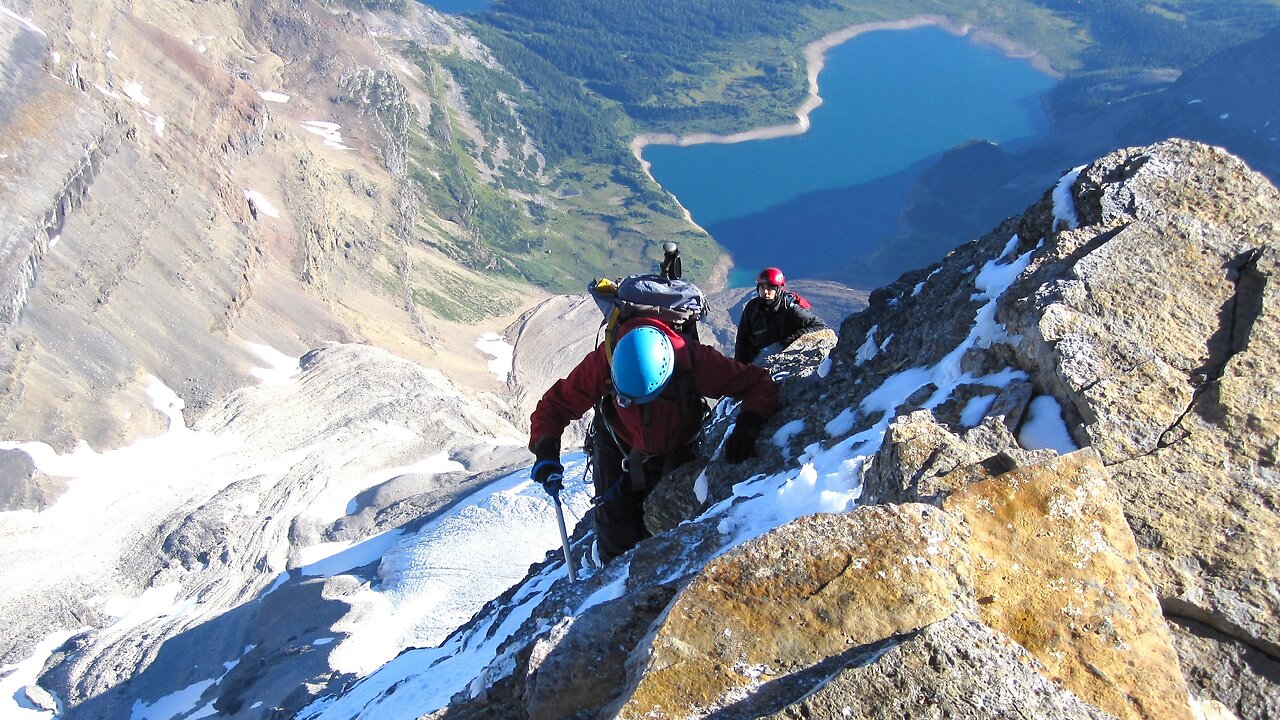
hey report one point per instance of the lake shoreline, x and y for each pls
(815, 55)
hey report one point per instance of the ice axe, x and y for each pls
(564, 533)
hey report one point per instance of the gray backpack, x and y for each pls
(677, 303)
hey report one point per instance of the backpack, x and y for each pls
(678, 303)
(796, 298)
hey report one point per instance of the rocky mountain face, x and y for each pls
(178, 179)
(1133, 577)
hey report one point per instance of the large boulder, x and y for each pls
(1057, 570)
(796, 596)
(1156, 324)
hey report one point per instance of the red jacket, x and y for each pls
(669, 425)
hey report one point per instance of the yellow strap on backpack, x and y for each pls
(609, 330)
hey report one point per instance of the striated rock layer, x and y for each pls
(167, 196)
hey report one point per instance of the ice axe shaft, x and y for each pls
(564, 538)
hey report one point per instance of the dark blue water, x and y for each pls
(458, 6)
(893, 101)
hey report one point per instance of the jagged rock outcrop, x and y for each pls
(1176, 388)
(779, 604)
(1128, 313)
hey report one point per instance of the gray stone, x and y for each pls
(957, 669)
(23, 486)
(1174, 383)
(1243, 681)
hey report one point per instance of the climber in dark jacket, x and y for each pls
(648, 393)
(774, 315)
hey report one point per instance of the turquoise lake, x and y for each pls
(458, 6)
(893, 101)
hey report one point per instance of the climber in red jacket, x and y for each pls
(648, 393)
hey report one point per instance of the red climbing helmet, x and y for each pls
(771, 276)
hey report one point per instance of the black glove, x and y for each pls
(742, 442)
(548, 471)
(550, 474)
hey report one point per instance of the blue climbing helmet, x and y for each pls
(643, 362)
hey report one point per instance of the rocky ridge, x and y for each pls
(1133, 577)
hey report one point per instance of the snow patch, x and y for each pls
(702, 487)
(260, 201)
(334, 558)
(501, 353)
(1064, 205)
(270, 95)
(133, 91)
(280, 368)
(784, 434)
(1044, 427)
(329, 131)
(131, 612)
(842, 423)
(975, 410)
(920, 285)
(868, 349)
(164, 399)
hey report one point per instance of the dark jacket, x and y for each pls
(762, 326)
(664, 424)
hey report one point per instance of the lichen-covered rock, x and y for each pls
(1056, 568)
(796, 596)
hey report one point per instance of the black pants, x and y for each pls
(619, 511)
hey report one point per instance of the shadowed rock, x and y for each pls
(956, 668)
